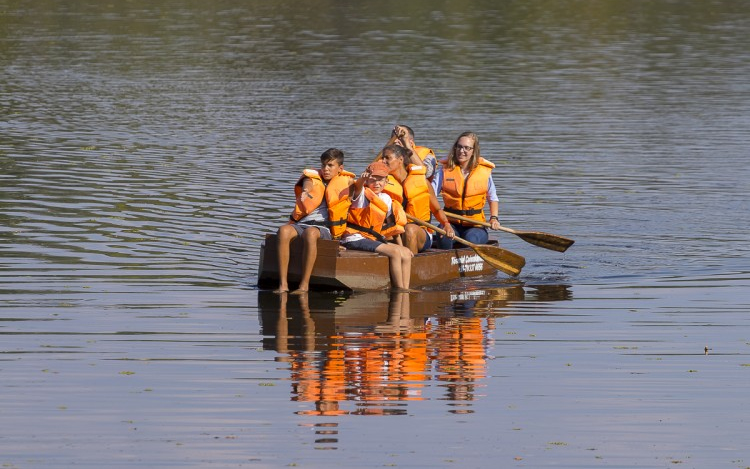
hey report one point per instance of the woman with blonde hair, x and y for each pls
(465, 182)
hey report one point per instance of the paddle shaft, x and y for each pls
(477, 222)
(537, 238)
(439, 230)
(501, 259)
(391, 141)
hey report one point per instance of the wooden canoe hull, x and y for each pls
(358, 270)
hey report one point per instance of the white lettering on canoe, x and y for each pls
(468, 263)
(468, 295)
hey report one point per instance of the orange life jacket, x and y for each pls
(466, 196)
(423, 152)
(416, 193)
(336, 194)
(371, 221)
(412, 193)
(394, 188)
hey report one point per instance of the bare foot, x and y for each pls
(299, 291)
(404, 290)
(281, 290)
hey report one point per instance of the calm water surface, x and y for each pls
(145, 151)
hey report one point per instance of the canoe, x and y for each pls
(359, 270)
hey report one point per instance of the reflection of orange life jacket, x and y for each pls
(466, 196)
(370, 221)
(336, 194)
(412, 193)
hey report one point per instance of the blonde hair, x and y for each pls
(475, 156)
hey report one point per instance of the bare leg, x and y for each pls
(415, 237)
(394, 262)
(285, 235)
(282, 327)
(399, 260)
(406, 256)
(309, 330)
(310, 236)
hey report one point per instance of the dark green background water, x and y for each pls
(146, 149)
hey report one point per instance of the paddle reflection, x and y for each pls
(381, 350)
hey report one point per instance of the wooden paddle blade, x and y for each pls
(546, 240)
(501, 259)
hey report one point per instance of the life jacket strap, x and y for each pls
(377, 235)
(474, 211)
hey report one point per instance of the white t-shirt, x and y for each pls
(316, 218)
(361, 201)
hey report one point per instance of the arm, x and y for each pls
(437, 180)
(430, 163)
(359, 184)
(494, 204)
(307, 185)
(406, 143)
(439, 214)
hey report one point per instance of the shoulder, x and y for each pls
(416, 169)
(359, 200)
(423, 151)
(311, 173)
(387, 200)
(487, 163)
(385, 197)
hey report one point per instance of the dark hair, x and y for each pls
(399, 151)
(475, 156)
(332, 154)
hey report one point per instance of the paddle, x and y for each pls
(537, 238)
(391, 141)
(499, 258)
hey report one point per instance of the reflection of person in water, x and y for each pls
(325, 386)
(319, 381)
(377, 350)
(375, 362)
(392, 364)
(381, 350)
(459, 350)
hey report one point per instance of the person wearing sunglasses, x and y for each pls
(465, 182)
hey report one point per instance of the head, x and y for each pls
(465, 151)
(409, 134)
(331, 163)
(394, 157)
(376, 173)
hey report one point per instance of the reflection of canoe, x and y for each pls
(358, 270)
(318, 319)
